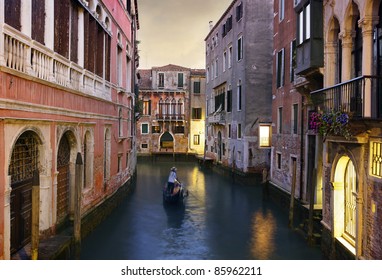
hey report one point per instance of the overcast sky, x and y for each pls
(173, 31)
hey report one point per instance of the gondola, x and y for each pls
(177, 196)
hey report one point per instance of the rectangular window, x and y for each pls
(179, 129)
(119, 163)
(239, 131)
(180, 80)
(301, 27)
(146, 107)
(155, 129)
(160, 80)
(144, 146)
(224, 61)
(376, 159)
(240, 49)
(145, 128)
(294, 118)
(265, 135)
(229, 130)
(119, 65)
(196, 139)
(280, 68)
(229, 100)
(216, 68)
(239, 96)
(196, 87)
(239, 11)
(292, 60)
(281, 10)
(230, 57)
(304, 24)
(196, 113)
(278, 161)
(280, 120)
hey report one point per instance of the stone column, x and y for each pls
(330, 64)
(26, 17)
(7, 218)
(347, 44)
(366, 24)
(81, 37)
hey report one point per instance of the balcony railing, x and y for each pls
(359, 98)
(170, 117)
(217, 118)
(24, 55)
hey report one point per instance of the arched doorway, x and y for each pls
(219, 146)
(345, 194)
(24, 162)
(167, 141)
(63, 177)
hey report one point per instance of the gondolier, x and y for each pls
(172, 180)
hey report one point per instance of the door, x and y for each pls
(24, 163)
(63, 159)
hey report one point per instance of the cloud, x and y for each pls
(173, 31)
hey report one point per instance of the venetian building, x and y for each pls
(351, 153)
(239, 87)
(66, 92)
(164, 101)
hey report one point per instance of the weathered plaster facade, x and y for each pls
(167, 96)
(239, 85)
(57, 102)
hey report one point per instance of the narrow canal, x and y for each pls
(220, 219)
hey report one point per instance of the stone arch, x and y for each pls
(351, 14)
(25, 161)
(107, 155)
(344, 195)
(66, 154)
(334, 53)
(166, 141)
(88, 158)
(371, 8)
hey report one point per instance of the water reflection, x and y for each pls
(220, 219)
(263, 234)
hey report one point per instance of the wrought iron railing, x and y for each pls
(359, 97)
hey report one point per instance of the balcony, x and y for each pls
(170, 117)
(359, 98)
(21, 54)
(217, 118)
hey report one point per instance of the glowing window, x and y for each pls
(265, 135)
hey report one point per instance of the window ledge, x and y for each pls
(121, 138)
(346, 244)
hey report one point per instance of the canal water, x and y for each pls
(219, 220)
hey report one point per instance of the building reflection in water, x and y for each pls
(263, 235)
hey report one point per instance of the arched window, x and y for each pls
(106, 159)
(350, 188)
(120, 123)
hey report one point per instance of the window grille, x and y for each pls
(24, 158)
(376, 159)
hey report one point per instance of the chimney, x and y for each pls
(211, 24)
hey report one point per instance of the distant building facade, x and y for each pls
(239, 86)
(197, 111)
(66, 89)
(170, 109)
